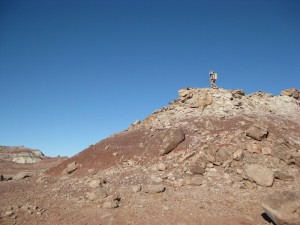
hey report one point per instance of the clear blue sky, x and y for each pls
(74, 72)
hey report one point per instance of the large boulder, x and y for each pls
(171, 139)
(257, 132)
(283, 207)
(261, 175)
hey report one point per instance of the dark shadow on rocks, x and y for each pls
(267, 218)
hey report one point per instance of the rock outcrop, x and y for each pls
(20, 154)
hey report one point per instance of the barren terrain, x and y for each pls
(210, 157)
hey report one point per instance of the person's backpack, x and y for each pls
(215, 76)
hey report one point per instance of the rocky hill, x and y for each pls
(213, 156)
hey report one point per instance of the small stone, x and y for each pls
(156, 179)
(195, 180)
(210, 165)
(91, 171)
(165, 208)
(283, 176)
(161, 167)
(8, 213)
(115, 154)
(95, 183)
(238, 155)
(136, 188)
(266, 150)
(110, 205)
(154, 188)
(196, 169)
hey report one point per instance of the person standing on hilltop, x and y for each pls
(213, 76)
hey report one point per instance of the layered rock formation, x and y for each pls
(20, 154)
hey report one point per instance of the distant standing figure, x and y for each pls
(213, 76)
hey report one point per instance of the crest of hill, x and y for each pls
(206, 117)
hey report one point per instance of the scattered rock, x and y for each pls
(283, 207)
(154, 188)
(296, 158)
(156, 179)
(260, 174)
(97, 195)
(171, 139)
(222, 155)
(281, 151)
(110, 204)
(95, 183)
(238, 155)
(266, 150)
(283, 176)
(70, 168)
(136, 188)
(1, 177)
(197, 169)
(210, 152)
(21, 176)
(7, 213)
(257, 132)
(193, 180)
(161, 166)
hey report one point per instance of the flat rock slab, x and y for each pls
(283, 207)
(257, 132)
(21, 176)
(261, 175)
(172, 138)
(153, 188)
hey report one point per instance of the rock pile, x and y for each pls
(210, 138)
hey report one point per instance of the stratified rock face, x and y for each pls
(260, 174)
(20, 154)
(283, 207)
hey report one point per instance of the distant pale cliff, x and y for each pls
(20, 154)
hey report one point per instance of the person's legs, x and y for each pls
(212, 83)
